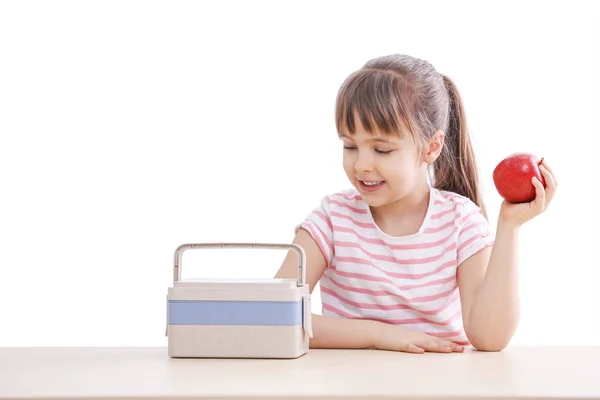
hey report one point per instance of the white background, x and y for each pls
(131, 127)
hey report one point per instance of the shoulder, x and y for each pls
(334, 210)
(344, 204)
(346, 196)
(446, 198)
(472, 228)
(460, 207)
(344, 201)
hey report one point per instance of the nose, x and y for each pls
(364, 162)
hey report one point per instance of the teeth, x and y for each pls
(372, 183)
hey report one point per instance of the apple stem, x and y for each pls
(541, 161)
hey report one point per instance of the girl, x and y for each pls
(406, 261)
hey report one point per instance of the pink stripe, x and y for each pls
(349, 196)
(349, 207)
(422, 299)
(434, 282)
(338, 228)
(407, 261)
(471, 240)
(450, 199)
(446, 334)
(375, 306)
(318, 239)
(353, 260)
(366, 277)
(325, 219)
(470, 214)
(326, 238)
(439, 228)
(320, 243)
(355, 222)
(373, 278)
(470, 226)
(371, 292)
(397, 321)
(407, 321)
(338, 311)
(414, 246)
(366, 306)
(431, 297)
(445, 212)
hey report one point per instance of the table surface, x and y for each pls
(148, 373)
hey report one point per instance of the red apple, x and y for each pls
(512, 177)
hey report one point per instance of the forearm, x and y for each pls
(495, 313)
(342, 333)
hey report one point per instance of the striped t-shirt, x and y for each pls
(407, 280)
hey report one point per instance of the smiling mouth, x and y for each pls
(370, 186)
(371, 183)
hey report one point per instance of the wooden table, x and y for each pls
(148, 373)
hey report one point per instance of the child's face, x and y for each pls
(383, 169)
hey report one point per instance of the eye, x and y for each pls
(383, 151)
(349, 147)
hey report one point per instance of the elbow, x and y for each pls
(491, 336)
(489, 345)
(488, 342)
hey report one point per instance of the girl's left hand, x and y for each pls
(518, 214)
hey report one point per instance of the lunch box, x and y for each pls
(238, 318)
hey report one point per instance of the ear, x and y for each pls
(434, 147)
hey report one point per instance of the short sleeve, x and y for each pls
(319, 226)
(474, 232)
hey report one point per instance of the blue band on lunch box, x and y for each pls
(204, 312)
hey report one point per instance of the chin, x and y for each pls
(373, 199)
(374, 202)
(379, 199)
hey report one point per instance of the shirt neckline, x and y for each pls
(432, 197)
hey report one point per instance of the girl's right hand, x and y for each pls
(396, 338)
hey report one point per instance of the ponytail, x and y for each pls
(455, 169)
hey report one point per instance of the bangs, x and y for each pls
(382, 100)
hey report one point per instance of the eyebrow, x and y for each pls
(372, 139)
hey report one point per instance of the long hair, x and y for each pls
(400, 94)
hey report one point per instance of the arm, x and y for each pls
(328, 332)
(488, 280)
(488, 283)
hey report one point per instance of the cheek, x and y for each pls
(397, 172)
(391, 167)
(348, 162)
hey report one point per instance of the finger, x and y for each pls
(404, 346)
(458, 348)
(540, 196)
(451, 344)
(547, 167)
(444, 345)
(437, 346)
(550, 184)
(411, 348)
